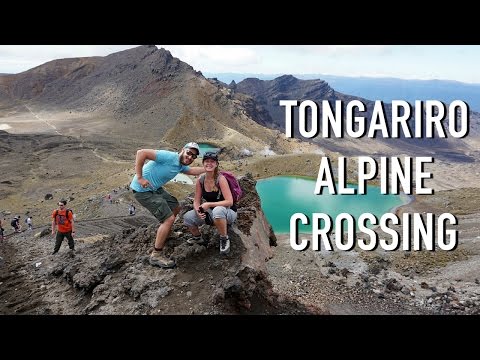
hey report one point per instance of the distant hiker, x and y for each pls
(2, 230)
(109, 198)
(16, 224)
(62, 218)
(148, 191)
(131, 209)
(29, 222)
(218, 210)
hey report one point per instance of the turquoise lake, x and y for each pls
(282, 196)
(207, 147)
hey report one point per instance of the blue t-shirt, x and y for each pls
(165, 167)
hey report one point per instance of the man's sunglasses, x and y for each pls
(191, 154)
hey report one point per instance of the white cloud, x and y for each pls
(18, 58)
(402, 61)
(207, 57)
(341, 49)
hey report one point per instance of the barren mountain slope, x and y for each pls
(142, 93)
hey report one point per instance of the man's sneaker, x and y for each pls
(158, 259)
(196, 240)
(224, 245)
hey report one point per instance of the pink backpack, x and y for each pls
(234, 185)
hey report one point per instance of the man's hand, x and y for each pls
(144, 183)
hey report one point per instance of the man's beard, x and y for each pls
(184, 162)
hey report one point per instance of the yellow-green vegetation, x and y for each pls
(418, 261)
(267, 166)
(423, 261)
(458, 201)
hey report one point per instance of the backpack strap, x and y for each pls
(66, 214)
(202, 182)
(218, 185)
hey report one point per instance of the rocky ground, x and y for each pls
(34, 282)
(398, 282)
(109, 272)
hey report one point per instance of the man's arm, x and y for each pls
(197, 170)
(53, 226)
(72, 221)
(142, 156)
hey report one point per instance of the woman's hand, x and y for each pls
(206, 206)
(201, 212)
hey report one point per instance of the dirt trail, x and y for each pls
(43, 120)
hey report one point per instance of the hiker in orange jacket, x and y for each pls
(62, 218)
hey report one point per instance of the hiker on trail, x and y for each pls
(2, 230)
(147, 186)
(16, 224)
(29, 222)
(218, 208)
(62, 218)
(131, 209)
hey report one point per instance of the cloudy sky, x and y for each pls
(424, 62)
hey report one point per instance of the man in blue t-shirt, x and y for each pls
(147, 186)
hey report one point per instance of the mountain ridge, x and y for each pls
(381, 88)
(143, 92)
(268, 93)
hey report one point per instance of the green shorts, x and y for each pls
(160, 203)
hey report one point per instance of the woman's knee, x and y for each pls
(189, 218)
(219, 212)
(231, 217)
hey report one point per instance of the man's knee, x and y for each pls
(170, 219)
(176, 210)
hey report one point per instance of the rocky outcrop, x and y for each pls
(109, 272)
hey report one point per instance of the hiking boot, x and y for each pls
(53, 253)
(197, 240)
(224, 245)
(158, 259)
